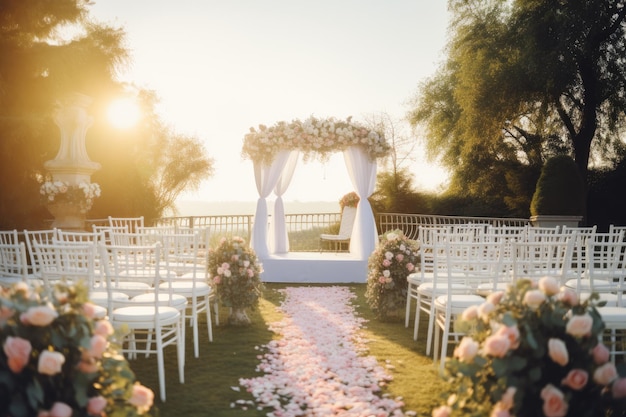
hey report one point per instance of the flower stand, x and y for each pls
(238, 317)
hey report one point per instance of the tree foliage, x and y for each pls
(525, 80)
(50, 49)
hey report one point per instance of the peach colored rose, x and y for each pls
(103, 327)
(217, 280)
(95, 405)
(18, 352)
(485, 309)
(618, 389)
(499, 412)
(60, 409)
(558, 351)
(50, 363)
(443, 411)
(508, 398)
(495, 297)
(576, 379)
(568, 296)
(605, 374)
(510, 332)
(534, 298)
(579, 325)
(22, 287)
(497, 346)
(5, 314)
(470, 313)
(142, 398)
(467, 349)
(98, 346)
(600, 354)
(549, 286)
(39, 316)
(554, 404)
(89, 310)
(88, 365)
(410, 267)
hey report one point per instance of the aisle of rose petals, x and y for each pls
(320, 366)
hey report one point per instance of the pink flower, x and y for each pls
(508, 398)
(141, 398)
(225, 265)
(485, 309)
(576, 379)
(568, 296)
(549, 286)
(470, 313)
(605, 374)
(39, 316)
(619, 388)
(250, 273)
(443, 411)
(50, 363)
(103, 328)
(534, 298)
(495, 297)
(88, 365)
(497, 345)
(554, 404)
(558, 351)
(600, 354)
(386, 263)
(60, 409)
(89, 310)
(18, 352)
(399, 257)
(217, 279)
(466, 350)
(96, 405)
(512, 333)
(499, 412)
(579, 325)
(98, 346)
(5, 314)
(410, 267)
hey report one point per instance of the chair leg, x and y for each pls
(431, 324)
(416, 323)
(160, 364)
(408, 306)
(209, 323)
(180, 350)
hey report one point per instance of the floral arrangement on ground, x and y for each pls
(82, 194)
(312, 136)
(57, 360)
(349, 200)
(235, 273)
(389, 265)
(532, 351)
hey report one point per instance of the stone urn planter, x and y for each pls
(67, 216)
(554, 221)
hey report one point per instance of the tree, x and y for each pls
(525, 80)
(50, 49)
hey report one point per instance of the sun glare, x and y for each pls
(123, 113)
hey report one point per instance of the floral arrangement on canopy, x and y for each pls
(349, 200)
(57, 360)
(313, 135)
(236, 277)
(389, 265)
(532, 351)
(83, 194)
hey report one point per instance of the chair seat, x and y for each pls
(187, 287)
(613, 316)
(101, 297)
(487, 288)
(430, 288)
(459, 301)
(585, 284)
(143, 316)
(132, 288)
(176, 300)
(610, 298)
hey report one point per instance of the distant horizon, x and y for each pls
(248, 207)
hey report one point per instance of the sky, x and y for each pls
(220, 67)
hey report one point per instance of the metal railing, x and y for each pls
(222, 225)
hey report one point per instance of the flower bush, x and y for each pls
(236, 273)
(389, 265)
(57, 360)
(349, 200)
(313, 135)
(82, 194)
(532, 351)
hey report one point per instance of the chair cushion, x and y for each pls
(613, 317)
(586, 284)
(186, 288)
(144, 316)
(176, 300)
(429, 288)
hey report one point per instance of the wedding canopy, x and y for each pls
(274, 152)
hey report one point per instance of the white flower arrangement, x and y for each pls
(320, 136)
(82, 193)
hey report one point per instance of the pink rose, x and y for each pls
(399, 257)
(18, 352)
(96, 405)
(386, 263)
(495, 297)
(217, 279)
(512, 333)
(98, 346)
(410, 267)
(225, 265)
(466, 350)
(470, 313)
(103, 328)
(568, 296)
(39, 316)
(5, 314)
(443, 411)
(250, 272)
(554, 404)
(576, 379)
(88, 365)
(60, 409)
(497, 346)
(534, 298)
(619, 388)
(579, 325)
(549, 286)
(499, 412)
(50, 363)
(558, 351)
(485, 309)
(600, 354)
(141, 398)
(508, 398)
(605, 374)
(89, 310)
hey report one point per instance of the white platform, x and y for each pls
(314, 267)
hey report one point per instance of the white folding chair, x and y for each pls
(13, 264)
(41, 236)
(345, 229)
(131, 223)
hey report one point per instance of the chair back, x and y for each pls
(41, 236)
(131, 223)
(69, 263)
(534, 259)
(13, 263)
(348, 215)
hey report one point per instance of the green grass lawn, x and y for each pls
(233, 354)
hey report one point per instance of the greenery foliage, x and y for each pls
(235, 273)
(58, 360)
(559, 190)
(532, 351)
(388, 267)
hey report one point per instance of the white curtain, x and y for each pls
(279, 241)
(362, 173)
(266, 177)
